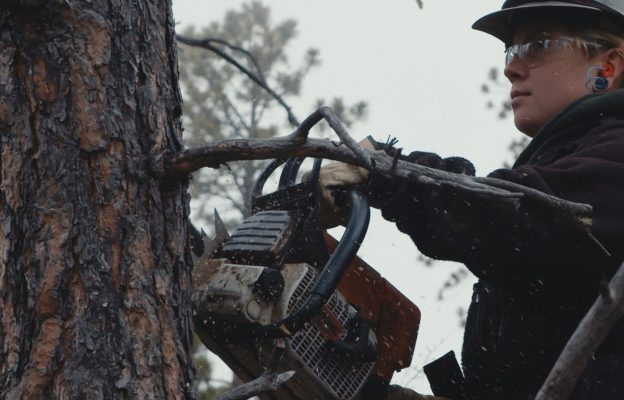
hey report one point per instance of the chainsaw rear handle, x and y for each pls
(337, 264)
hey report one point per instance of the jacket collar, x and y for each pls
(588, 109)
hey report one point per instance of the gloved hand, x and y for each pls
(430, 215)
(335, 176)
(381, 190)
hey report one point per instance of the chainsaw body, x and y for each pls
(279, 275)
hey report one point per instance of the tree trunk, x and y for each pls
(94, 262)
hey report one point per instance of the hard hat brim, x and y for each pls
(500, 24)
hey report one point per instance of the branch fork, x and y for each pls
(298, 144)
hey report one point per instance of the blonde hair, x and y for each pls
(607, 40)
(607, 36)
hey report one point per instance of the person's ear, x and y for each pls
(613, 67)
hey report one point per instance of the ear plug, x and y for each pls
(606, 70)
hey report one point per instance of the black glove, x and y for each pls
(428, 214)
(387, 192)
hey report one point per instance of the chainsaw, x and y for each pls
(279, 275)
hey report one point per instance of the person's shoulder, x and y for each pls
(592, 107)
(608, 128)
(604, 141)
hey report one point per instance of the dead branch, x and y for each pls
(396, 392)
(597, 323)
(297, 144)
(269, 381)
(257, 76)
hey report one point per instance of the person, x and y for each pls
(537, 276)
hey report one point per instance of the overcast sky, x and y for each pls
(421, 71)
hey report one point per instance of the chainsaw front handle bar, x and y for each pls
(329, 277)
(337, 264)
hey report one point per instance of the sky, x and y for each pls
(420, 70)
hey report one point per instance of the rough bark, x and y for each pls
(94, 262)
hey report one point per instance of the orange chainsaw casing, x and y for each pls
(394, 318)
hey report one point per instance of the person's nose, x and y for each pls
(515, 70)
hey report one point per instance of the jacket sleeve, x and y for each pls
(504, 244)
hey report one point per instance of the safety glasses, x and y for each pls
(534, 53)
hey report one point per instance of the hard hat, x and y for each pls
(502, 23)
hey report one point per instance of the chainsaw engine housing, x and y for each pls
(231, 300)
(346, 329)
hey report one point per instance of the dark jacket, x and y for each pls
(537, 275)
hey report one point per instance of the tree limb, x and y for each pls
(269, 381)
(297, 144)
(597, 323)
(258, 78)
(246, 52)
(396, 392)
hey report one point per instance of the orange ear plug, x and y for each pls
(606, 70)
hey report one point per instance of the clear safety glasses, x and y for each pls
(534, 53)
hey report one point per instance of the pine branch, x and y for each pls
(257, 76)
(597, 323)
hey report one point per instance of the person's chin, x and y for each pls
(525, 124)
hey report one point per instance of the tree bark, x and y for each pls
(94, 260)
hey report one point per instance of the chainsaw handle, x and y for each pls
(288, 175)
(337, 264)
(347, 247)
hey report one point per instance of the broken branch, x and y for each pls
(269, 381)
(297, 144)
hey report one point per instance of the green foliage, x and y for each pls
(222, 103)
